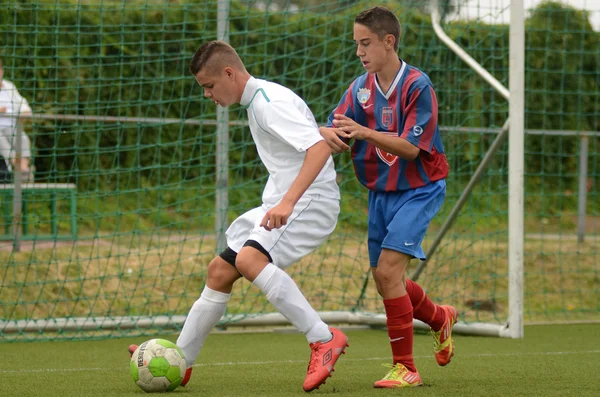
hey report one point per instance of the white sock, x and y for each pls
(202, 318)
(284, 294)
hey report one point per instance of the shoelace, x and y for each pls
(314, 357)
(397, 371)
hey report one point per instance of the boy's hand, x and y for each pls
(277, 216)
(350, 127)
(331, 136)
(2, 109)
(24, 164)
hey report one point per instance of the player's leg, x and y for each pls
(281, 291)
(210, 307)
(266, 253)
(417, 209)
(423, 308)
(206, 312)
(264, 257)
(388, 266)
(441, 320)
(389, 277)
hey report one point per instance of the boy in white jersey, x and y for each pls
(299, 210)
(13, 104)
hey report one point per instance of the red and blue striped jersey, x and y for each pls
(408, 110)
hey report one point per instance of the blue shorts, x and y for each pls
(399, 220)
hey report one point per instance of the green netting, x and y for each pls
(145, 186)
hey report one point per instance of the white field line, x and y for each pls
(279, 362)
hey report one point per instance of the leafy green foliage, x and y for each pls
(131, 61)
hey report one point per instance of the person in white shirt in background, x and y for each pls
(300, 208)
(13, 104)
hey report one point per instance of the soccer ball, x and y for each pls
(157, 365)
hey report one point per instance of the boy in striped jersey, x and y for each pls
(390, 113)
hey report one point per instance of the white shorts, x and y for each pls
(311, 222)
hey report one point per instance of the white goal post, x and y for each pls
(514, 130)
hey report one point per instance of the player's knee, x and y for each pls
(385, 279)
(393, 262)
(250, 262)
(221, 275)
(388, 274)
(376, 279)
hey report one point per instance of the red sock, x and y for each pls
(423, 308)
(400, 330)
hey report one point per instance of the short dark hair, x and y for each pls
(382, 22)
(214, 55)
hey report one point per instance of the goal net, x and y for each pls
(117, 116)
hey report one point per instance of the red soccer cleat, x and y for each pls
(131, 349)
(443, 345)
(186, 377)
(323, 357)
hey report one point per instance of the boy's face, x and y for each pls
(219, 87)
(371, 50)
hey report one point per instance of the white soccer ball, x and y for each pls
(157, 365)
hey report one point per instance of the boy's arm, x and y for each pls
(335, 139)
(421, 116)
(300, 131)
(22, 106)
(391, 144)
(23, 109)
(314, 161)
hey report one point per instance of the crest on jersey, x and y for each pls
(363, 95)
(387, 116)
(386, 157)
(417, 130)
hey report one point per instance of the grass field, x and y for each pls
(558, 360)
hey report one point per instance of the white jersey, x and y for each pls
(14, 103)
(283, 128)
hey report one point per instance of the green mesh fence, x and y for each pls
(121, 227)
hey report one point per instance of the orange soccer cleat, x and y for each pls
(131, 349)
(323, 357)
(443, 345)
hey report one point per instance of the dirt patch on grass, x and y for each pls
(131, 275)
